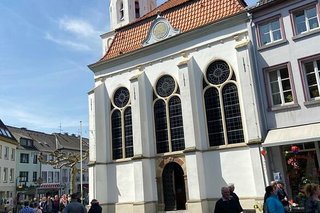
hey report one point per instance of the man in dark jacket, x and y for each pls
(226, 204)
(95, 207)
(74, 206)
(235, 196)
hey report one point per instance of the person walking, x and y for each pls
(273, 204)
(55, 204)
(95, 207)
(226, 204)
(235, 196)
(74, 206)
(312, 203)
(26, 208)
(47, 205)
(282, 195)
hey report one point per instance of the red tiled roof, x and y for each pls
(184, 15)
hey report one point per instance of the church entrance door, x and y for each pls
(174, 192)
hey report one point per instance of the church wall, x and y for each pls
(206, 169)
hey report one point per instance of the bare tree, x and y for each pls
(63, 159)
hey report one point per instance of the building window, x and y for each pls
(0, 151)
(306, 19)
(56, 177)
(13, 154)
(224, 122)
(50, 177)
(34, 177)
(6, 153)
(24, 177)
(44, 177)
(121, 11)
(5, 174)
(137, 9)
(11, 176)
(26, 142)
(35, 158)
(65, 175)
(1, 175)
(24, 158)
(279, 85)
(121, 124)
(311, 73)
(270, 31)
(168, 116)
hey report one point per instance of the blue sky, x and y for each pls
(45, 47)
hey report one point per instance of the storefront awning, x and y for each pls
(293, 135)
(50, 186)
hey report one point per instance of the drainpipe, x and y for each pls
(262, 113)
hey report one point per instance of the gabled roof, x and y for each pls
(48, 142)
(6, 135)
(263, 4)
(185, 15)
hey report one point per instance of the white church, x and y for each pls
(173, 114)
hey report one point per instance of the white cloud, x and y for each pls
(77, 27)
(68, 43)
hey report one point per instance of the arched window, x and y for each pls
(222, 106)
(168, 116)
(137, 9)
(121, 125)
(121, 11)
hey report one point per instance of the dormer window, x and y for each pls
(137, 9)
(26, 142)
(121, 10)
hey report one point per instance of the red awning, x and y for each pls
(50, 186)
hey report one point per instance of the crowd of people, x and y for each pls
(56, 204)
(275, 199)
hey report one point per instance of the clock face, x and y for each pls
(160, 30)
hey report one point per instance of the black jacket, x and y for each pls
(95, 208)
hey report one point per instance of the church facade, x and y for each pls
(173, 114)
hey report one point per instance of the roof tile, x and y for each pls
(185, 15)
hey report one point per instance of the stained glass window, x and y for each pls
(121, 124)
(222, 106)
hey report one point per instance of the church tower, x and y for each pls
(123, 12)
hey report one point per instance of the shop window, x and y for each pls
(168, 116)
(224, 122)
(302, 167)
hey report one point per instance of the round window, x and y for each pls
(165, 86)
(218, 72)
(121, 97)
